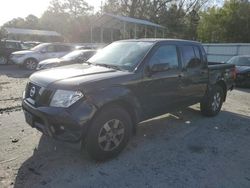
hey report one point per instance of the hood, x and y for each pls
(22, 52)
(73, 75)
(48, 61)
(242, 69)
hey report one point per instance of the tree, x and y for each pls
(75, 8)
(2, 33)
(68, 17)
(16, 22)
(30, 22)
(230, 23)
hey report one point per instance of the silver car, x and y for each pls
(77, 56)
(30, 58)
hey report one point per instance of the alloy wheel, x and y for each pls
(31, 64)
(216, 101)
(111, 135)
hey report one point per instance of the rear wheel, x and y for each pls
(30, 64)
(109, 133)
(212, 102)
(3, 60)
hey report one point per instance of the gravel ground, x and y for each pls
(183, 149)
(12, 84)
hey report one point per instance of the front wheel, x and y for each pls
(212, 102)
(109, 133)
(30, 64)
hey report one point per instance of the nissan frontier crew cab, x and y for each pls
(100, 102)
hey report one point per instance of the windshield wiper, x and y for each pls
(109, 66)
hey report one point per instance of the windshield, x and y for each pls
(124, 55)
(39, 47)
(73, 55)
(240, 60)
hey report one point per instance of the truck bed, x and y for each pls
(217, 66)
(222, 71)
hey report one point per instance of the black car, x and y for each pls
(7, 47)
(100, 102)
(242, 69)
(77, 56)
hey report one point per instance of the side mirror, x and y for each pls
(160, 67)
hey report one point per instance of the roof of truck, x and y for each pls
(162, 40)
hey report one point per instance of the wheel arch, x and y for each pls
(33, 58)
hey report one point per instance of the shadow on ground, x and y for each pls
(244, 89)
(14, 71)
(179, 150)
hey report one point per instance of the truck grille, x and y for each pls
(37, 95)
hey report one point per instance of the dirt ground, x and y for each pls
(183, 149)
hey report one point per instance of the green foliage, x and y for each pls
(2, 33)
(230, 23)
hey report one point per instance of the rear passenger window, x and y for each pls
(51, 48)
(11, 45)
(191, 56)
(61, 48)
(166, 54)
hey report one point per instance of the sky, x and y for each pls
(10, 9)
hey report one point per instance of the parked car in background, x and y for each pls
(7, 47)
(100, 102)
(77, 56)
(30, 44)
(83, 46)
(30, 58)
(242, 69)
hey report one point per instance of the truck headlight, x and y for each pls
(65, 98)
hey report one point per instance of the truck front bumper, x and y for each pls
(68, 125)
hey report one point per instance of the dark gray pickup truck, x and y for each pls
(100, 102)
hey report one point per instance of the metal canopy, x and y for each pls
(18, 31)
(106, 21)
(123, 23)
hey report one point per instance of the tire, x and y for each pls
(212, 102)
(30, 64)
(109, 133)
(3, 60)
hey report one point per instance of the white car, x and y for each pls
(30, 58)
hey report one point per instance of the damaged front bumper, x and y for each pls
(66, 124)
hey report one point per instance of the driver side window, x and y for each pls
(166, 54)
(51, 48)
